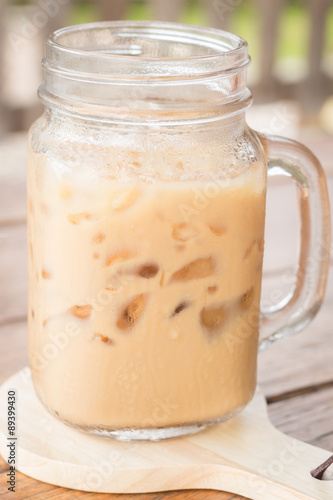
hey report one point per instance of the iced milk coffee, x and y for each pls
(144, 289)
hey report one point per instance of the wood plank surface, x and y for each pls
(13, 173)
(13, 348)
(296, 375)
(308, 417)
(13, 273)
(305, 360)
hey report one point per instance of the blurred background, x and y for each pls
(290, 41)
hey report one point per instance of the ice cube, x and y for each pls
(82, 312)
(213, 317)
(132, 312)
(197, 269)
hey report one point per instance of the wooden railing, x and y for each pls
(23, 30)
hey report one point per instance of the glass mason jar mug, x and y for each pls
(146, 200)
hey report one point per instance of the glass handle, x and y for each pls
(298, 308)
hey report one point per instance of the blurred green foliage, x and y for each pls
(83, 12)
(294, 23)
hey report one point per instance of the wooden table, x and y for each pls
(296, 375)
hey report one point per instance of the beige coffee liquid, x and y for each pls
(144, 294)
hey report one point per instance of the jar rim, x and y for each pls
(183, 72)
(189, 51)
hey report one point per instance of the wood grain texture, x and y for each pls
(307, 417)
(13, 273)
(12, 202)
(13, 173)
(29, 488)
(13, 348)
(13, 157)
(305, 360)
(321, 145)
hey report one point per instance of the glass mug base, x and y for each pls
(158, 433)
(149, 432)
